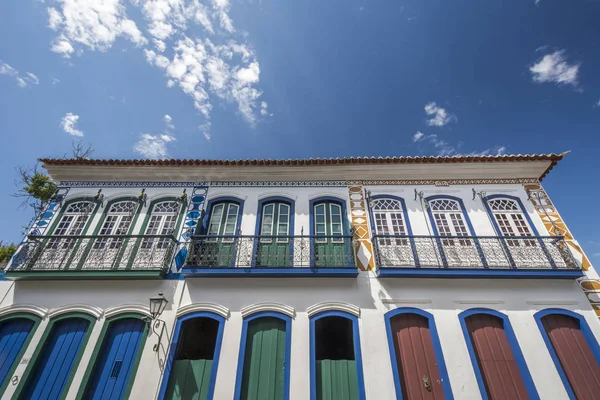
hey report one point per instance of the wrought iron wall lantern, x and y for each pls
(157, 306)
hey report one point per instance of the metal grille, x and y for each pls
(473, 252)
(91, 253)
(271, 252)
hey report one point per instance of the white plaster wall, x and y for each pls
(445, 299)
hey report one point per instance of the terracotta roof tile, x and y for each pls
(553, 158)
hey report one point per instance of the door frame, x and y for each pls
(242, 353)
(100, 342)
(437, 349)
(257, 230)
(173, 349)
(36, 322)
(44, 341)
(357, 353)
(514, 346)
(589, 336)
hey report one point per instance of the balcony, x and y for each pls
(88, 257)
(475, 257)
(270, 256)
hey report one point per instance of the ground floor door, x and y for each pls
(415, 357)
(264, 361)
(113, 369)
(13, 335)
(53, 367)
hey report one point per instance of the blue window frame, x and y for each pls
(173, 350)
(357, 350)
(514, 345)
(585, 330)
(220, 207)
(437, 347)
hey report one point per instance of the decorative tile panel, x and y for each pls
(360, 226)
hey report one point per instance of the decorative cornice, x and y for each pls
(278, 184)
(127, 308)
(446, 182)
(129, 184)
(73, 308)
(209, 307)
(333, 306)
(24, 308)
(260, 307)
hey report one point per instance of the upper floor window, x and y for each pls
(74, 219)
(275, 220)
(224, 219)
(509, 217)
(163, 221)
(328, 219)
(119, 217)
(388, 217)
(448, 217)
(117, 222)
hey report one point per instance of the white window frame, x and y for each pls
(223, 224)
(451, 217)
(511, 215)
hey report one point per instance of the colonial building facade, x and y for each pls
(360, 278)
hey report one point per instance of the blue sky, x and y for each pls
(282, 78)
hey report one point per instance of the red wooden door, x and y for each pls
(495, 358)
(575, 356)
(415, 357)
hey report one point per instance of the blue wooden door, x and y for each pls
(13, 334)
(113, 369)
(55, 363)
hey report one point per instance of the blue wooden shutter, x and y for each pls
(54, 365)
(13, 334)
(118, 353)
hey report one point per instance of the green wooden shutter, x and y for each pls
(337, 380)
(274, 252)
(328, 221)
(189, 380)
(264, 360)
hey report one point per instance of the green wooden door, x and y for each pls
(189, 380)
(274, 251)
(330, 249)
(220, 251)
(336, 380)
(264, 360)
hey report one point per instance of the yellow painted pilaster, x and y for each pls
(360, 223)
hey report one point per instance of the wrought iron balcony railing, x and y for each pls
(473, 252)
(262, 252)
(116, 253)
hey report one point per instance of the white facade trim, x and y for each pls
(333, 306)
(25, 308)
(260, 307)
(210, 307)
(126, 308)
(266, 195)
(212, 196)
(406, 301)
(96, 312)
(337, 195)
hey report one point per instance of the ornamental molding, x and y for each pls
(213, 196)
(207, 307)
(95, 312)
(266, 195)
(278, 184)
(261, 307)
(129, 184)
(446, 182)
(317, 195)
(127, 308)
(333, 306)
(24, 308)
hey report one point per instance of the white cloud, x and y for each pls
(168, 121)
(205, 129)
(418, 136)
(55, 81)
(439, 116)
(22, 80)
(194, 43)
(554, 68)
(68, 123)
(493, 151)
(597, 104)
(93, 24)
(153, 146)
